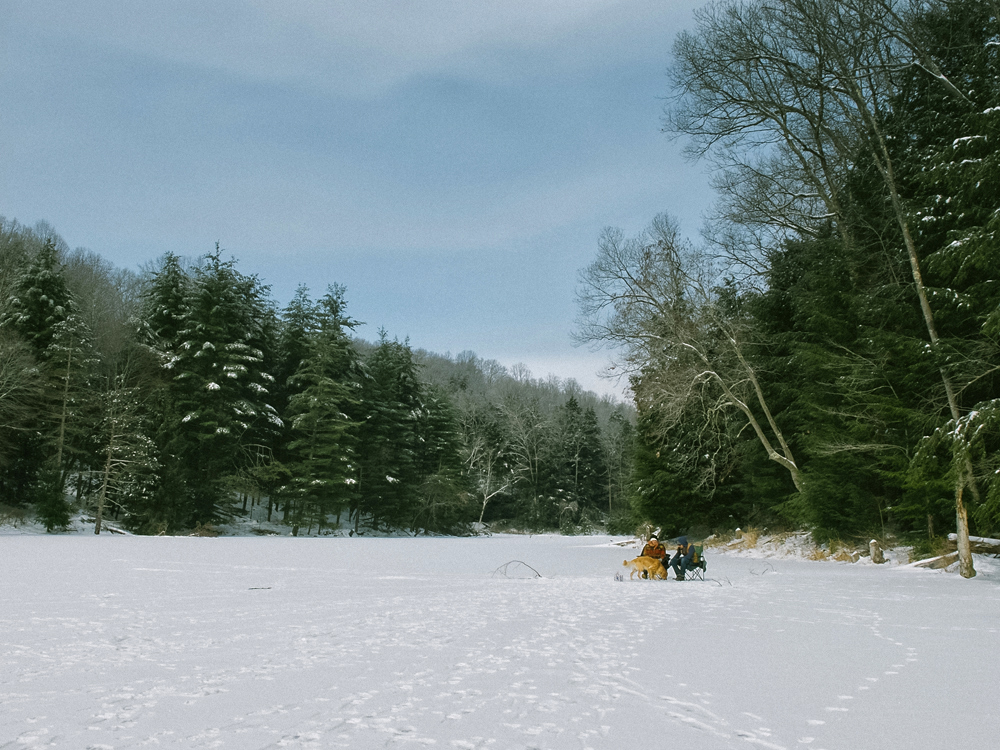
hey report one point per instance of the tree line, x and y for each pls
(179, 396)
(829, 354)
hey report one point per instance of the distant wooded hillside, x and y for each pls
(173, 398)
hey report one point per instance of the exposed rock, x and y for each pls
(875, 549)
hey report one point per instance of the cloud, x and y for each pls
(451, 162)
(361, 48)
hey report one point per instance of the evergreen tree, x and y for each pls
(216, 412)
(444, 502)
(299, 326)
(20, 399)
(388, 472)
(165, 303)
(321, 454)
(952, 167)
(618, 442)
(581, 468)
(164, 504)
(41, 313)
(19, 374)
(41, 300)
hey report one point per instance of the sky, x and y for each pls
(450, 163)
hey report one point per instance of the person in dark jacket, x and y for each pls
(682, 558)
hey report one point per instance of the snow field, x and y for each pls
(127, 642)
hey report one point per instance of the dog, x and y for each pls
(652, 567)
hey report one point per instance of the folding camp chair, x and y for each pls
(697, 567)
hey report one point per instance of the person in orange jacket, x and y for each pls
(653, 548)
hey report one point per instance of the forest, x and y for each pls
(171, 399)
(826, 355)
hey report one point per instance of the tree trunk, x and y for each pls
(99, 516)
(787, 460)
(80, 492)
(965, 567)
(62, 421)
(965, 477)
(609, 492)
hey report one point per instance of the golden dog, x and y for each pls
(649, 565)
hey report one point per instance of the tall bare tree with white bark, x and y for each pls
(653, 298)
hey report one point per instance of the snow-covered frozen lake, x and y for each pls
(128, 642)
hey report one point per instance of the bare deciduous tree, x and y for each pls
(20, 390)
(653, 298)
(485, 446)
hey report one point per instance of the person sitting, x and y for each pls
(683, 558)
(655, 550)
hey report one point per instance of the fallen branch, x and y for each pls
(979, 544)
(936, 563)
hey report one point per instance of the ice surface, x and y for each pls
(127, 642)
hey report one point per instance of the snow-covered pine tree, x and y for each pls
(581, 458)
(41, 313)
(299, 322)
(953, 155)
(165, 300)
(217, 404)
(41, 300)
(320, 454)
(388, 475)
(444, 502)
